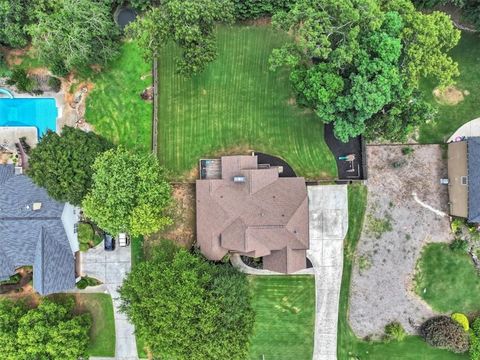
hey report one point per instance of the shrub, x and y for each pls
(82, 284)
(55, 83)
(475, 340)
(14, 279)
(445, 333)
(20, 79)
(407, 150)
(394, 332)
(457, 225)
(254, 9)
(462, 320)
(459, 245)
(58, 68)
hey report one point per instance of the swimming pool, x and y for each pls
(38, 112)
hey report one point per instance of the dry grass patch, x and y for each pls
(182, 231)
(449, 95)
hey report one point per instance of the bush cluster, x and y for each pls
(20, 79)
(394, 332)
(54, 83)
(462, 320)
(86, 281)
(459, 245)
(445, 333)
(254, 9)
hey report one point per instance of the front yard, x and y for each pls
(406, 209)
(447, 280)
(349, 346)
(235, 105)
(285, 315)
(102, 334)
(100, 307)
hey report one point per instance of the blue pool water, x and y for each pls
(38, 112)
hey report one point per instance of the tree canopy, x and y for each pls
(50, 331)
(14, 18)
(187, 308)
(359, 62)
(129, 193)
(63, 164)
(190, 24)
(75, 34)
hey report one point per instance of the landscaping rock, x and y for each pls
(147, 94)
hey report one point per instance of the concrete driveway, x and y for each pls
(328, 209)
(111, 267)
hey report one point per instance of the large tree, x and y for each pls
(14, 19)
(49, 331)
(62, 164)
(129, 193)
(76, 34)
(187, 308)
(190, 24)
(359, 62)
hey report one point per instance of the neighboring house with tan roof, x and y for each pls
(250, 210)
(464, 178)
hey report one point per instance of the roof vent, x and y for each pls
(18, 170)
(36, 206)
(239, 179)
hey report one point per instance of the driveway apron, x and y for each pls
(328, 212)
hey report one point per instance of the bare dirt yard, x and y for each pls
(182, 231)
(406, 209)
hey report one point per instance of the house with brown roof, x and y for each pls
(246, 208)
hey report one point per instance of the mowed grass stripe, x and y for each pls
(285, 314)
(237, 103)
(114, 106)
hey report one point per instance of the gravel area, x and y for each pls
(405, 210)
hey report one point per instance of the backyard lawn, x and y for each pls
(285, 315)
(447, 280)
(450, 118)
(351, 347)
(114, 106)
(102, 334)
(237, 104)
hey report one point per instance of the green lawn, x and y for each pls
(450, 118)
(349, 346)
(447, 280)
(137, 257)
(102, 334)
(237, 104)
(115, 108)
(285, 315)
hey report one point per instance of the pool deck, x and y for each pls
(9, 135)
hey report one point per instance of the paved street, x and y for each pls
(111, 267)
(328, 209)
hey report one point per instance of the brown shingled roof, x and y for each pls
(265, 215)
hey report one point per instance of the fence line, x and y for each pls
(155, 107)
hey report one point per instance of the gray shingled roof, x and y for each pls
(473, 179)
(30, 237)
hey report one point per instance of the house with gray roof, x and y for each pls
(464, 178)
(246, 208)
(38, 231)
